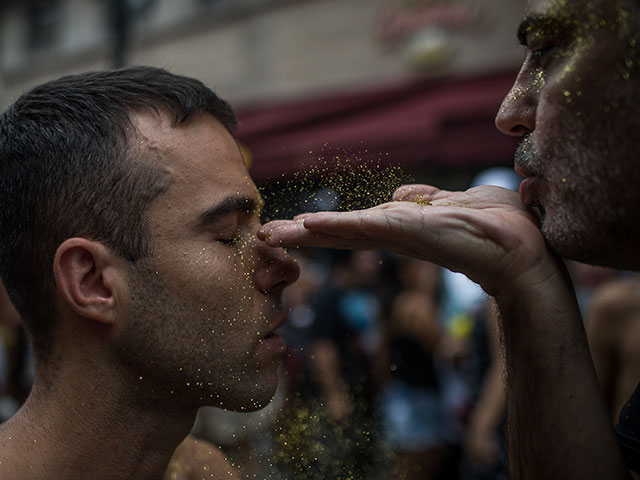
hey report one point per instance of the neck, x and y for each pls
(87, 424)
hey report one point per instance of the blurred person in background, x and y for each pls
(413, 418)
(484, 441)
(485, 447)
(300, 299)
(467, 351)
(587, 280)
(613, 330)
(345, 335)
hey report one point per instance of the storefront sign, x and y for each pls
(400, 20)
(422, 29)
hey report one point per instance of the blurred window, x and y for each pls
(141, 8)
(231, 3)
(44, 19)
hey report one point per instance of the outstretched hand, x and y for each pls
(485, 232)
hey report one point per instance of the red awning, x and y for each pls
(437, 123)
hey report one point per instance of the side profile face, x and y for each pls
(204, 307)
(574, 103)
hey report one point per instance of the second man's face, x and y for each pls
(573, 103)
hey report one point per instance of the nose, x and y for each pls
(517, 114)
(277, 269)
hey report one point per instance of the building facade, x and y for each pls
(282, 63)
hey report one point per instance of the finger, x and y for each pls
(280, 233)
(371, 228)
(302, 216)
(292, 225)
(266, 231)
(288, 237)
(433, 234)
(325, 229)
(413, 193)
(330, 221)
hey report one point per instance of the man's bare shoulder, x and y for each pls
(617, 298)
(197, 459)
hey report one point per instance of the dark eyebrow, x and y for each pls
(235, 204)
(540, 22)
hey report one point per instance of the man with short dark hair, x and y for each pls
(574, 103)
(128, 245)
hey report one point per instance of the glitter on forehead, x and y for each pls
(562, 39)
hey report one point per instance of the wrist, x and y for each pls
(545, 278)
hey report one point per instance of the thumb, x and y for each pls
(415, 193)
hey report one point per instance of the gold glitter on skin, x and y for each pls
(539, 80)
(588, 60)
(207, 250)
(421, 201)
(583, 34)
(555, 35)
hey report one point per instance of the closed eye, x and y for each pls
(544, 34)
(233, 241)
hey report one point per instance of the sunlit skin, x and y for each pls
(574, 103)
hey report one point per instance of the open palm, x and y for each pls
(485, 232)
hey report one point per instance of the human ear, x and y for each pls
(88, 278)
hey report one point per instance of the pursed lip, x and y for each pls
(528, 191)
(270, 338)
(280, 321)
(523, 171)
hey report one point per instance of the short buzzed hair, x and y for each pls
(67, 169)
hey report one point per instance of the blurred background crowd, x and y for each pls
(393, 368)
